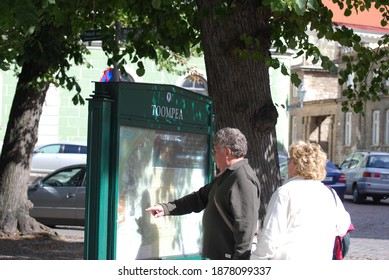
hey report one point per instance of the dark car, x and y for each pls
(334, 177)
(59, 198)
(367, 175)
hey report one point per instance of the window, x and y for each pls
(346, 163)
(74, 149)
(376, 128)
(195, 83)
(50, 149)
(67, 177)
(347, 128)
(71, 149)
(356, 159)
(83, 150)
(387, 128)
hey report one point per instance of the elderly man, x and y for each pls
(230, 201)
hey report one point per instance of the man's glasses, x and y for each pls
(213, 150)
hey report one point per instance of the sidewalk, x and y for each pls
(42, 247)
(368, 249)
(370, 239)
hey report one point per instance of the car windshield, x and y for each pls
(378, 161)
(68, 177)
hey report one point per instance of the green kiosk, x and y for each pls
(147, 143)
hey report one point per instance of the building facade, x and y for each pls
(316, 106)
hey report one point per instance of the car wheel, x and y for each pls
(357, 197)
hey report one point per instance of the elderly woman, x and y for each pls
(302, 218)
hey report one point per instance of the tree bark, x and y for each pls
(19, 142)
(240, 87)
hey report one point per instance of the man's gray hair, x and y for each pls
(232, 138)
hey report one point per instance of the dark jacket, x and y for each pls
(237, 193)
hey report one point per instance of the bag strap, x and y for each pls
(328, 187)
(351, 227)
(223, 215)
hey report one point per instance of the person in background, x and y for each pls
(230, 201)
(303, 216)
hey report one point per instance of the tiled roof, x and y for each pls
(369, 21)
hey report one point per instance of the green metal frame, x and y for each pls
(161, 107)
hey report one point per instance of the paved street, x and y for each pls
(70, 230)
(370, 239)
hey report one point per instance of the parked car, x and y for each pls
(334, 178)
(367, 175)
(283, 164)
(50, 157)
(59, 198)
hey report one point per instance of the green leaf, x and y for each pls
(156, 4)
(313, 5)
(46, 3)
(333, 68)
(257, 56)
(284, 70)
(273, 62)
(296, 81)
(140, 72)
(299, 53)
(26, 16)
(300, 7)
(358, 106)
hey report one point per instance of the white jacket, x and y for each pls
(301, 222)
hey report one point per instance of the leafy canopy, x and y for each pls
(167, 31)
(361, 63)
(50, 31)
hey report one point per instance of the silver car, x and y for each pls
(49, 157)
(59, 198)
(367, 175)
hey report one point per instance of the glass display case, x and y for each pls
(158, 166)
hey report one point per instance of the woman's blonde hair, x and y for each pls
(310, 160)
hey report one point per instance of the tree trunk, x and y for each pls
(19, 142)
(240, 87)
